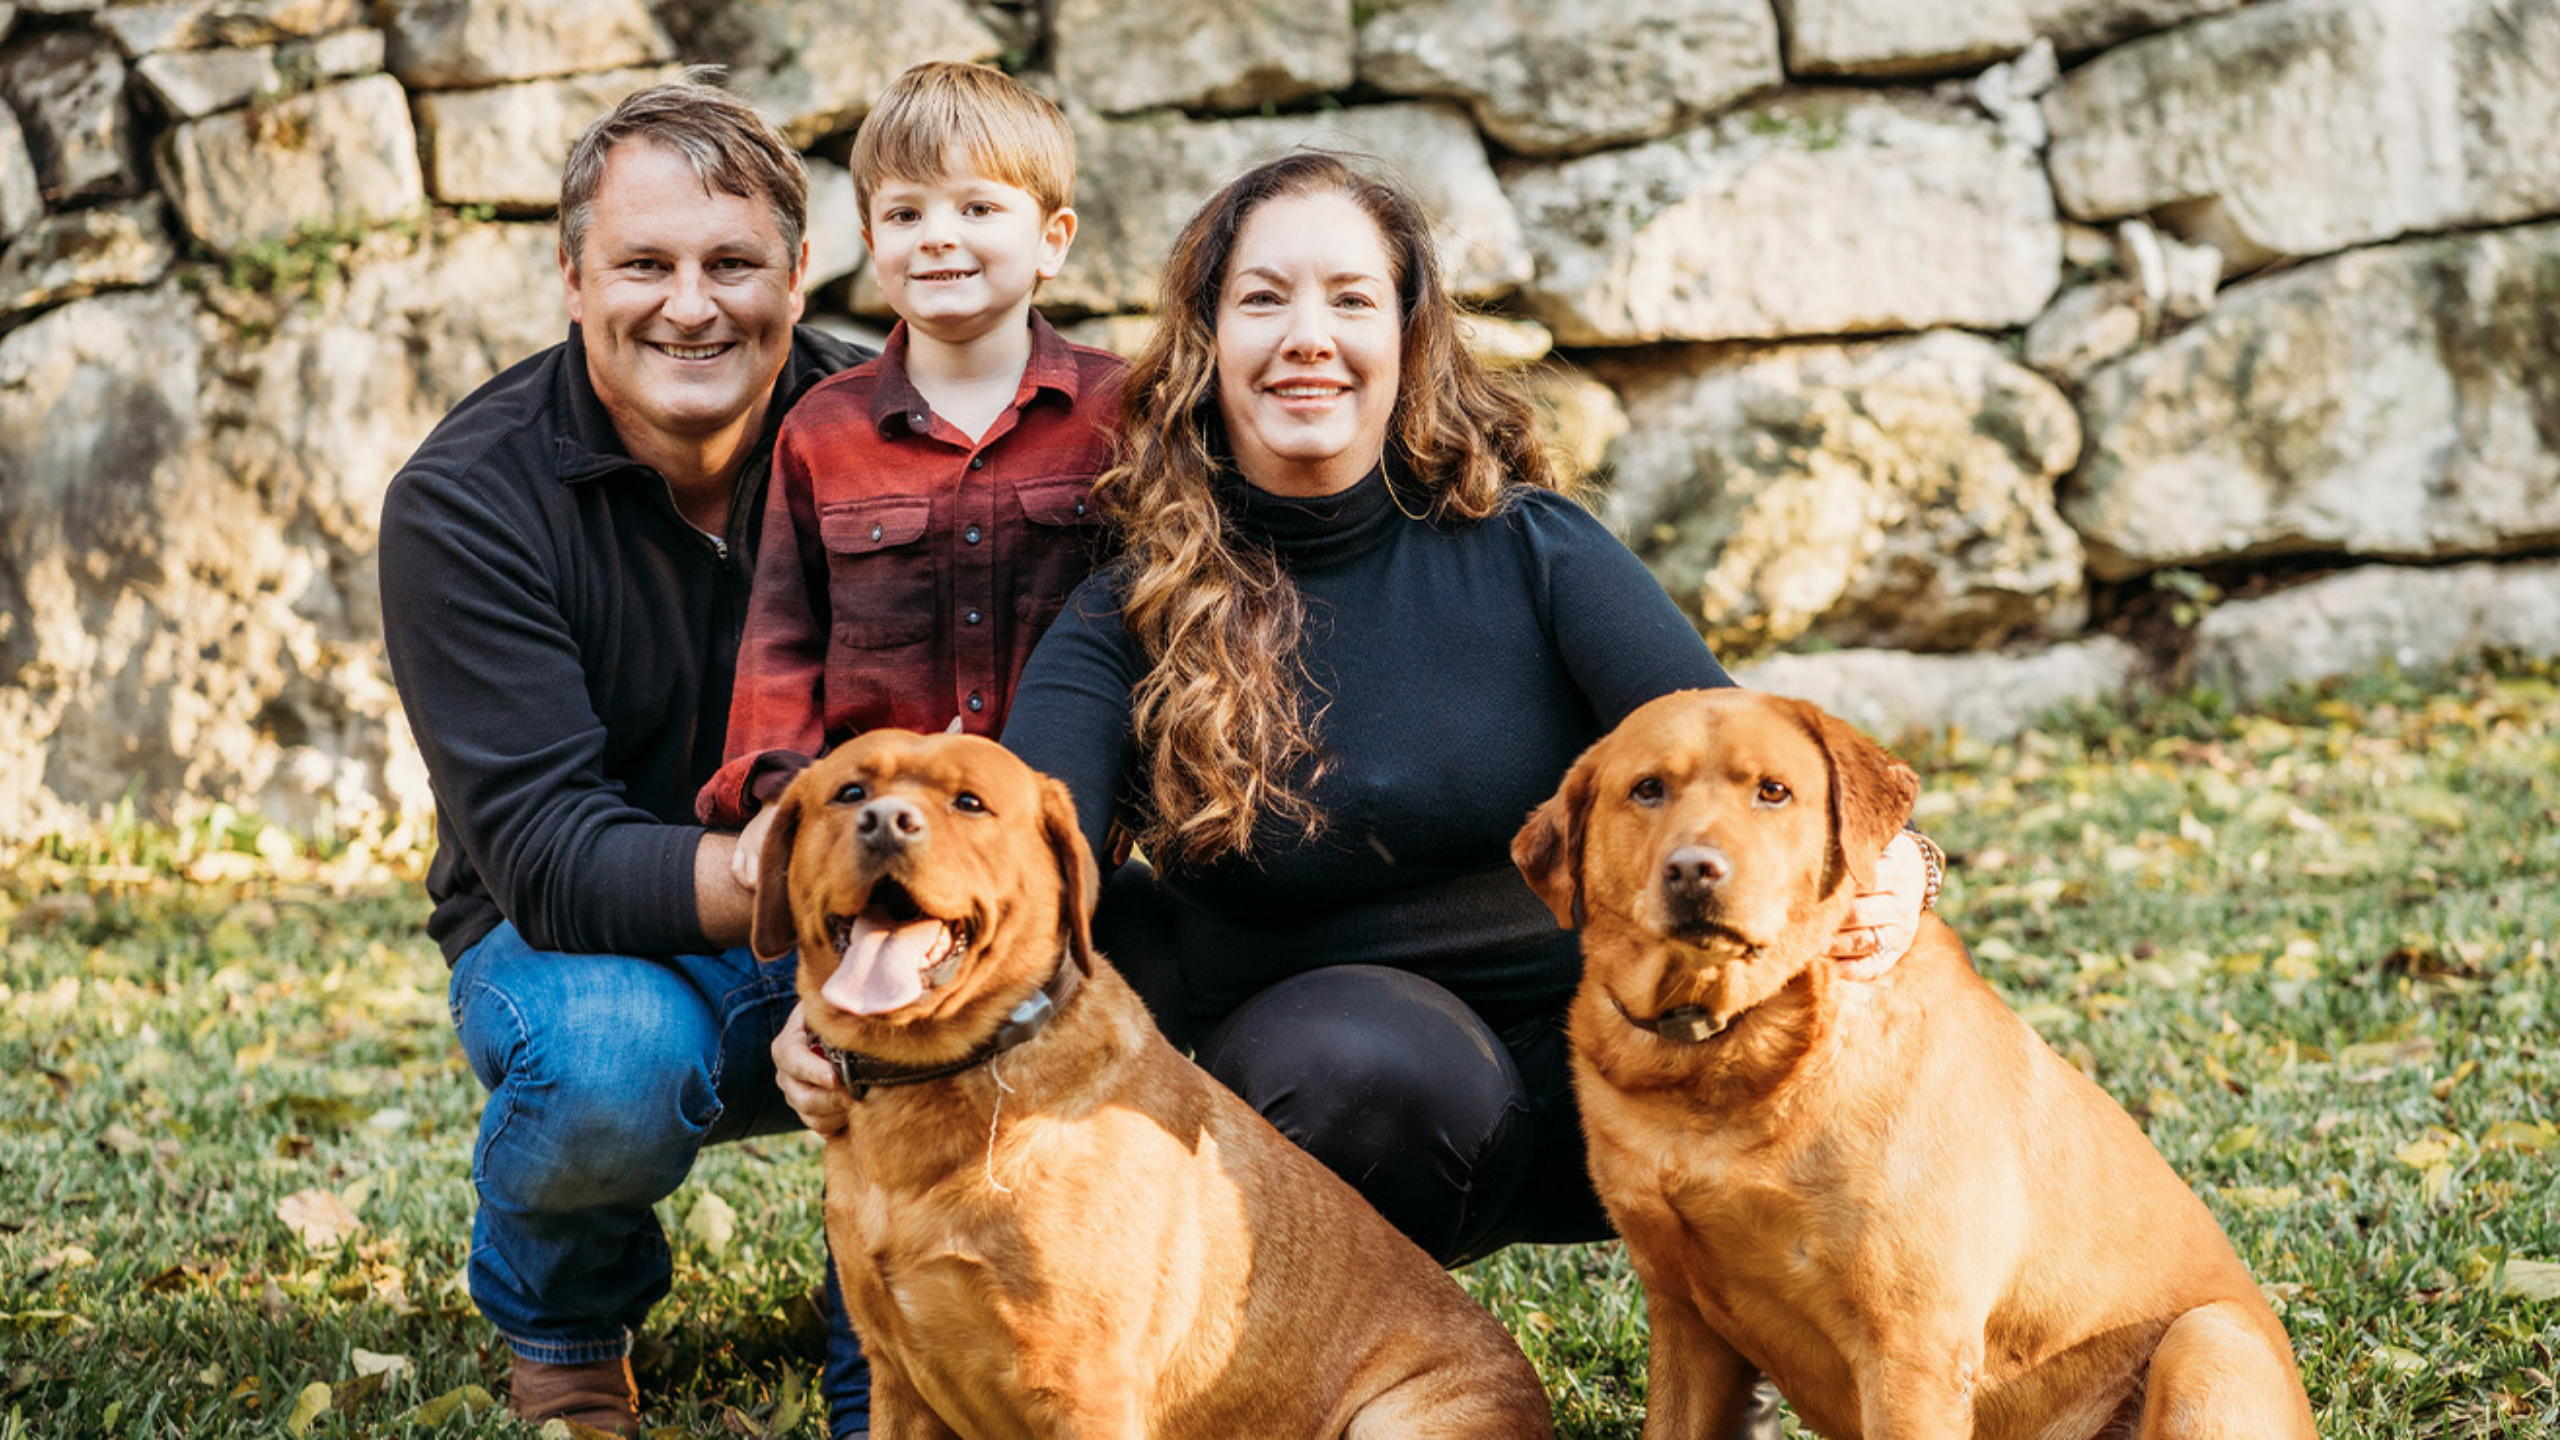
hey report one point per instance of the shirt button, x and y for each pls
(976, 703)
(977, 462)
(1079, 507)
(917, 420)
(973, 617)
(876, 532)
(970, 534)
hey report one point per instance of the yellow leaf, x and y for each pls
(459, 1399)
(2530, 1280)
(255, 1057)
(121, 1139)
(310, 1405)
(2436, 1148)
(712, 1224)
(2237, 1141)
(2435, 1182)
(318, 1217)
(2530, 1136)
(2261, 1197)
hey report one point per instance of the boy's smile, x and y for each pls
(958, 256)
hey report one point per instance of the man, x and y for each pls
(565, 567)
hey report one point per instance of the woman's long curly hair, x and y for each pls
(1220, 719)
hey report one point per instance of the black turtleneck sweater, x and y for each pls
(1458, 669)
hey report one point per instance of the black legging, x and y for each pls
(1463, 1134)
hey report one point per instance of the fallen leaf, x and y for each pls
(2530, 1136)
(121, 1140)
(2238, 1140)
(2399, 1361)
(2262, 1197)
(712, 1224)
(368, 1363)
(792, 1404)
(2435, 1149)
(2530, 1280)
(308, 1406)
(319, 1218)
(461, 1399)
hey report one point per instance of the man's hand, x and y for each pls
(749, 856)
(1884, 921)
(808, 1082)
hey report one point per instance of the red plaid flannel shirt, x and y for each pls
(905, 572)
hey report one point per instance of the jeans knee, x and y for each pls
(585, 1129)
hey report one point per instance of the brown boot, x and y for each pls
(600, 1396)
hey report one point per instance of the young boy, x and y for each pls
(929, 509)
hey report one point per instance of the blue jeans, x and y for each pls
(607, 1074)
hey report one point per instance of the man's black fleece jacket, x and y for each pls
(564, 643)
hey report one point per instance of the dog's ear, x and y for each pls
(773, 932)
(1871, 796)
(1079, 880)
(1548, 848)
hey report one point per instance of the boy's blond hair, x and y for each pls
(1007, 131)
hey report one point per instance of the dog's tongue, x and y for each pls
(883, 965)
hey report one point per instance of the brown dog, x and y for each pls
(1892, 1199)
(1047, 1222)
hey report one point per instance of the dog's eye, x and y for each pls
(968, 802)
(852, 793)
(1775, 792)
(1647, 791)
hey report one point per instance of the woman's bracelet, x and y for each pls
(1936, 860)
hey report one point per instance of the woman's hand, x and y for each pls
(808, 1082)
(749, 856)
(1883, 923)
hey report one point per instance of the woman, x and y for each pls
(1354, 636)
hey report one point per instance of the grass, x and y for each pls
(2311, 947)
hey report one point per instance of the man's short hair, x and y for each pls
(1008, 132)
(729, 145)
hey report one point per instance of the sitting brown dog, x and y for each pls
(1892, 1199)
(1047, 1222)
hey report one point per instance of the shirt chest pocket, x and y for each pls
(880, 580)
(1061, 543)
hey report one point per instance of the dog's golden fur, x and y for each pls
(1086, 1236)
(1891, 1198)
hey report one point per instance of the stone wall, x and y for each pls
(1949, 359)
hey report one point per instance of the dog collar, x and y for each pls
(862, 1073)
(1688, 1024)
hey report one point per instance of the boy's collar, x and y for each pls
(897, 408)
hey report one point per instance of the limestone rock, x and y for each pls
(1122, 55)
(1139, 180)
(1896, 493)
(1579, 419)
(446, 44)
(187, 599)
(1547, 78)
(835, 223)
(816, 66)
(2087, 326)
(159, 25)
(2394, 403)
(1935, 37)
(82, 252)
(1991, 697)
(504, 145)
(195, 83)
(1819, 213)
(2302, 127)
(1502, 343)
(21, 200)
(2360, 620)
(68, 89)
(1124, 335)
(340, 153)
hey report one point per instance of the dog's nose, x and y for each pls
(1695, 869)
(889, 824)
